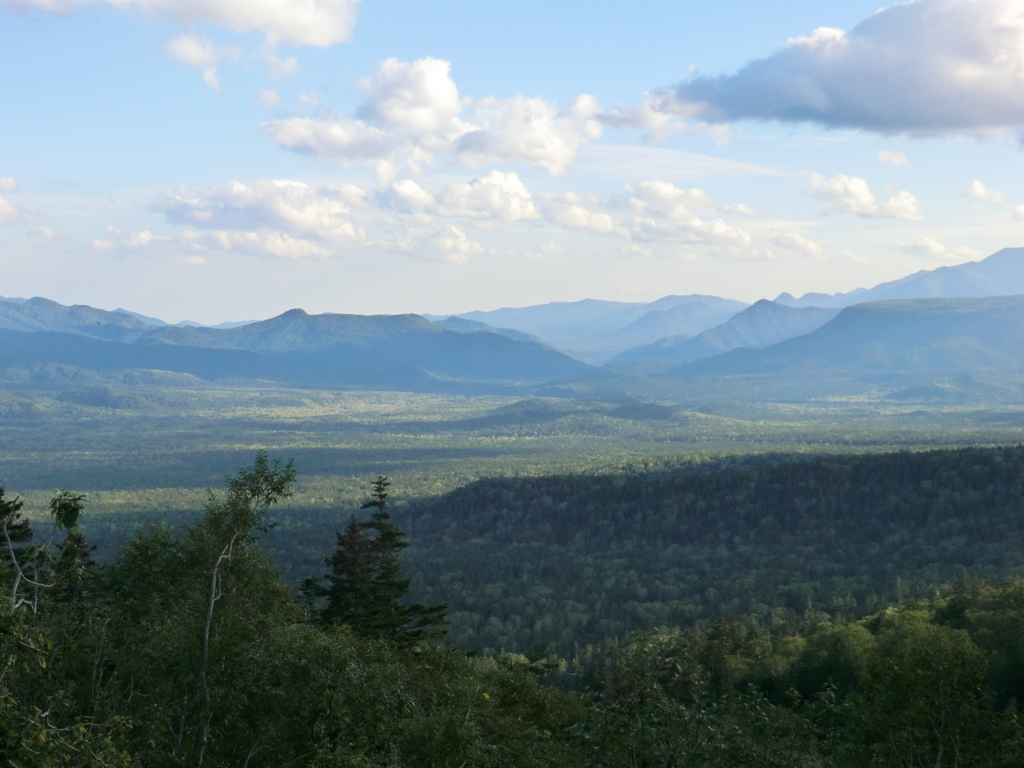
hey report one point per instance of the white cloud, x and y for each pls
(936, 250)
(531, 131)
(455, 245)
(303, 22)
(12, 214)
(199, 51)
(8, 213)
(286, 206)
(268, 98)
(902, 205)
(667, 197)
(117, 238)
(851, 194)
(189, 247)
(569, 210)
(497, 195)
(274, 244)
(895, 158)
(1018, 212)
(921, 67)
(8, 184)
(795, 241)
(408, 195)
(411, 114)
(48, 233)
(980, 191)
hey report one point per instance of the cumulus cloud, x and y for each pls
(895, 158)
(935, 250)
(455, 245)
(117, 238)
(851, 194)
(8, 184)
(189, 247)
(306, 22)
(571, 211)
(980, 191)
(292, 207)
(794, 241)
(411, 114)
(200, 52)
(1018, 212)
(660, 212)
(920, 67)
(497, 195)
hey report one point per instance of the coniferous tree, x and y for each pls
(365, 588)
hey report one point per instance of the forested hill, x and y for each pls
(552, 562)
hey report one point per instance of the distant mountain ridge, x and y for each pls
(760, 325)
(378, 351)
(594, 330)
(1001, 274)
(967, 334)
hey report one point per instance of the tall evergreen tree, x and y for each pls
(364, 587)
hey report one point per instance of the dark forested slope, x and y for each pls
(536, 563)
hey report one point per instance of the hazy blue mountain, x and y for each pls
(683, 320)
(14, 300)
(157, 321)
(1001, 274)
(461, 325)
(759, 325)
(972, 334)
(403, 351)
(40, 314)
(594, 330)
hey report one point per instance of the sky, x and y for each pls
(219, 160)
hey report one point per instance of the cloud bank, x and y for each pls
(919, 67)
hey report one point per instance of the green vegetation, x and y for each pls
(188, 649)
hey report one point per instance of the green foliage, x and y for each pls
(364, 590)
(552, 563)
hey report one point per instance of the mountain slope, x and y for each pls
(971, 334)
(40, 314)
(594, 330)
(759, 325)
(1001, 274)
(683, 320)
(296, 348)
(461, 325)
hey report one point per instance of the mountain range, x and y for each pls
(1001, 274)
(914, 342)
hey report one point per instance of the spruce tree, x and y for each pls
(365, 588)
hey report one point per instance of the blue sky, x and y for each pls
(231, 159)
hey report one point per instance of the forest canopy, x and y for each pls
(187, 648)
